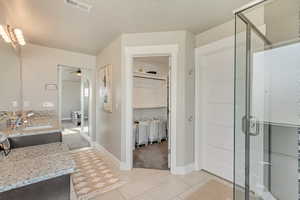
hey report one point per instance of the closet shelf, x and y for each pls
(148, 76)
(149, 107)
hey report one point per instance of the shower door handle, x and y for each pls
(252, 124)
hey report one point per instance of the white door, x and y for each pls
(215, 81)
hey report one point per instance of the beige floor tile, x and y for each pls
(176, 198)
(168, 189)
(212, 190)
(112, 195)
(136, 188)
(147, 184)
(142, 174)
(190, 191)
(195, 178)
(141, 180)
(143, 197)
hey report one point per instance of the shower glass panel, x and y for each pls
(267, 100)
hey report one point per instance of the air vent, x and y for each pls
(80, 5)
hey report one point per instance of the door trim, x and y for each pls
(138, 51)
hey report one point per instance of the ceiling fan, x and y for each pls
(77, 72)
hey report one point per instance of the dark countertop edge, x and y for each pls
(38, 179)
(35, 132)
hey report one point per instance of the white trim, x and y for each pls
(183, 170)
(100, 148)
(249, 5)
(59, 78)
(90, 117)
(87, 138)
(130, 53)
(198, 105)
(124, 166)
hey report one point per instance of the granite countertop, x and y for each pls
(25, 166)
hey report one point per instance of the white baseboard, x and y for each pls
(87, 138)
(198, 166)
(124, 166)
(182, 170)
(116, 161)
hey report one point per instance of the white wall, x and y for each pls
(227, 29)
(282, 20)
(10, 83)
(40, 67)
(4, 14)
(71, 97)
(10, 68)
(109, 124)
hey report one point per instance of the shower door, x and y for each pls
(267, 101)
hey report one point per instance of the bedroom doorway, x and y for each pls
(131, 53)
(74, 98)
(151, 112)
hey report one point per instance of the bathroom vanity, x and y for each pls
(41, 131)
(36, 173)
(39, 165)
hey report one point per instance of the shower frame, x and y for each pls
(247, 118)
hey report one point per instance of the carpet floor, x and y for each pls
(152, 156)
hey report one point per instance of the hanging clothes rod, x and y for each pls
(149, 77)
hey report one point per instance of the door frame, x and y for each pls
(130, 54)
(59, 87)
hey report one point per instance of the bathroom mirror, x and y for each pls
(10, 78)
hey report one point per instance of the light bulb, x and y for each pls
(4, 34)
(19, 36)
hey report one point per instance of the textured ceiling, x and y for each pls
(53, 23)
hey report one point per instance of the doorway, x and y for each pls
(131, 53)
(74, 98)
(150, 112)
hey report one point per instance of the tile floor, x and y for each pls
(72, 137)
(147, 184)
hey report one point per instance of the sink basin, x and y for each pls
(37, 127)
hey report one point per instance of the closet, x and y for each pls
(150, 112)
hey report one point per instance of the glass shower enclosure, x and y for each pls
(267, 100)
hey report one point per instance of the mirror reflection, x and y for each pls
(10, 82)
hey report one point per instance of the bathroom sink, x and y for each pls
(37, 127)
